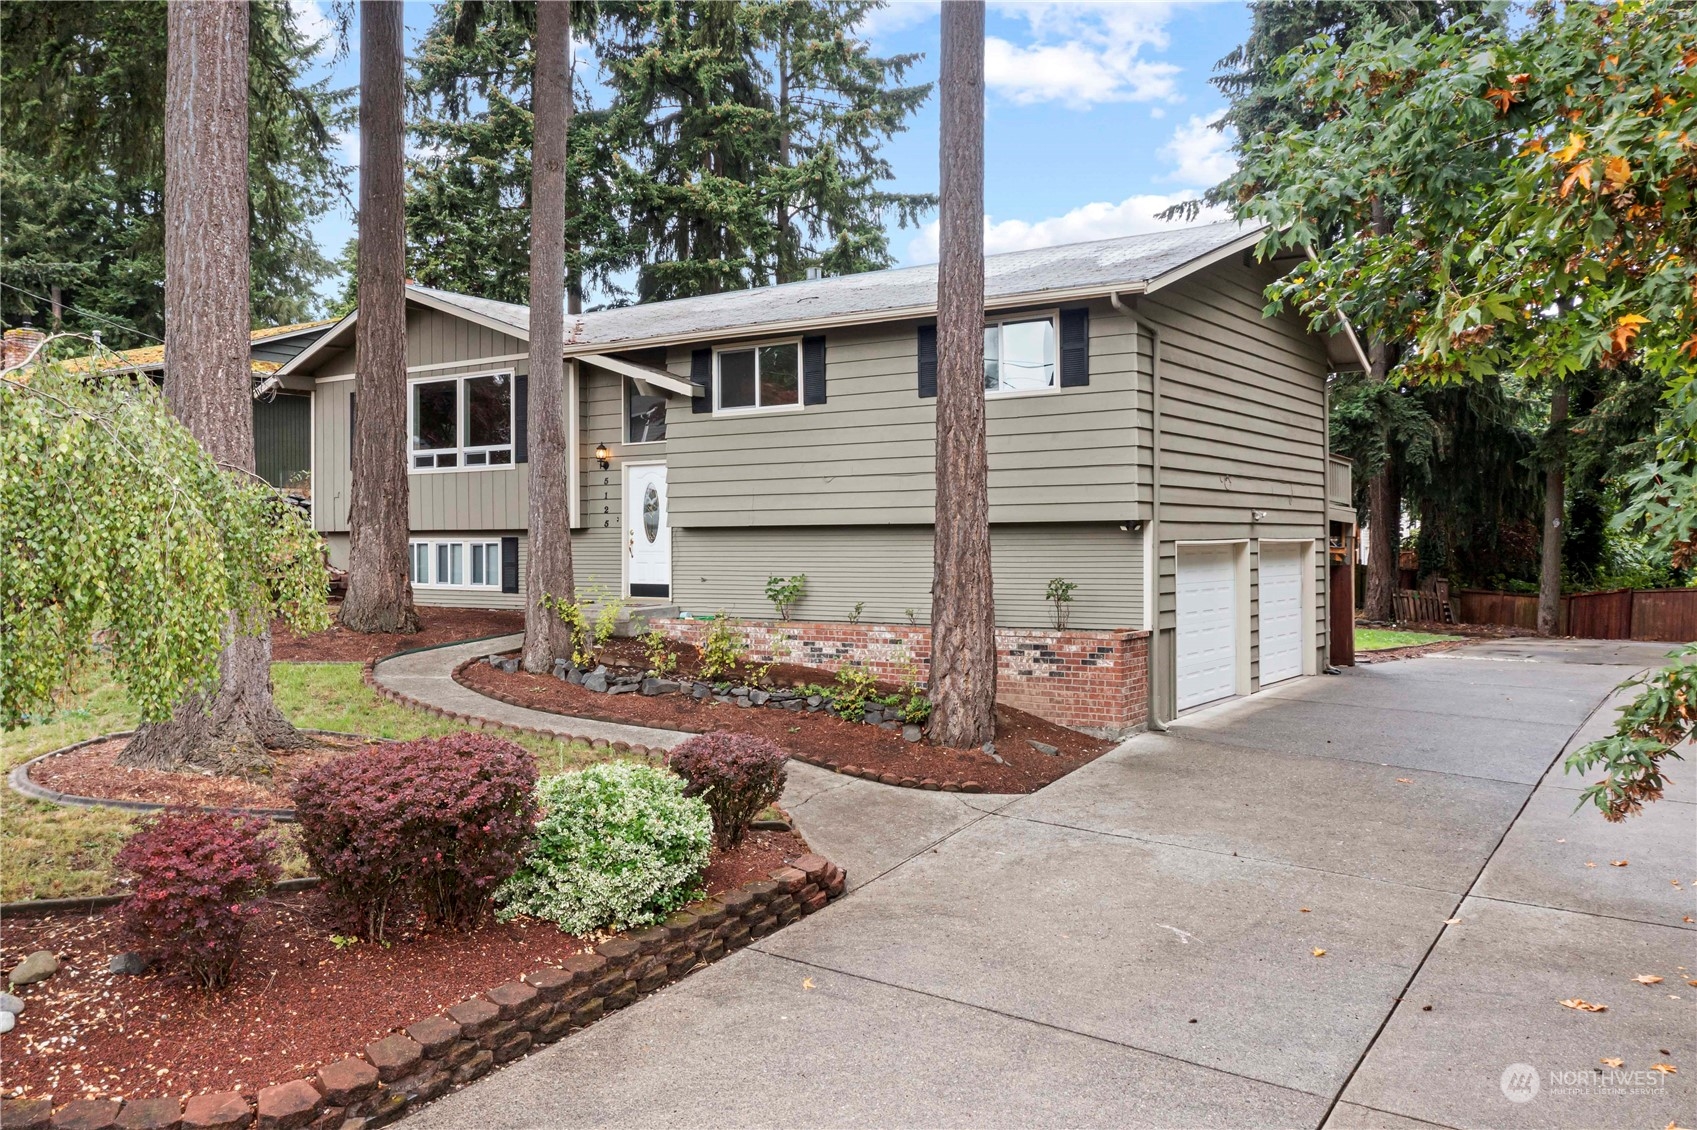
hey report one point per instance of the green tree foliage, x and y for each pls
(1544, 176)
(120, 537)
(82, 178)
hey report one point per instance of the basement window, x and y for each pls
(456, 564)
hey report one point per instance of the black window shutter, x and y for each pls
(813, 370)
(521, 421)
(352, 398)
(1075, 348)
(509, 564)
(927, 361)
(701, 374)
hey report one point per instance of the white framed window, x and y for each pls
(456, 564)
(454, 423)
(1019, 355)
(751, 378)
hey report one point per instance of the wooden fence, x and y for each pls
(1668, 615)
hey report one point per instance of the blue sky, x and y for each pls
(1097, 115)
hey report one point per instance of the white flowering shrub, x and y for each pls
(618, 845)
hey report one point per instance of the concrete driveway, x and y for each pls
(1135, 944)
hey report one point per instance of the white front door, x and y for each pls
(648, 537)
(1207, 624)
(1281, 613)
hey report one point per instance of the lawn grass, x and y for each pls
(49, 851)
(1378, 639)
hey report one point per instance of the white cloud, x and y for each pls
(1134, 215)
(1200, 154)
(314, 23)
(1081, 54)
(348, 139)
(897, 16)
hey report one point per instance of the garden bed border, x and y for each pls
(412, 1066)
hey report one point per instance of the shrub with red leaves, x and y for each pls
(196, 875)
(737, 775)
(430, 826)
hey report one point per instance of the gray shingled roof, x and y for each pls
(1127, 263)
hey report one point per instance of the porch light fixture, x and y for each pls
(602, 455)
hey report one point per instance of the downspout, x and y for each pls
(1152, 679)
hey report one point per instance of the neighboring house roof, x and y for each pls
(1134, 264)
(151, 357)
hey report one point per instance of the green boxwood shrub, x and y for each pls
(618, 845)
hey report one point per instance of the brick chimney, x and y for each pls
(20, 342)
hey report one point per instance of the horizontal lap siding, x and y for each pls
(866, 456)
(1243, 428)
(889, 568)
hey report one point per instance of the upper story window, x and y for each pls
(461, 421)
(1019, 355)
(645, 415)
(759, 376)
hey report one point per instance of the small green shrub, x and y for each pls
(912, 615)
(1060, 595)
(855, 687)
(854, 613)
(619, 845)
(662, 660)
(723, 648)
(587, 634)
(785, 593)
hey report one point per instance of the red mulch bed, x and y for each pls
(821, 738)
(435, 626)
(94, 771)
(297, 1001)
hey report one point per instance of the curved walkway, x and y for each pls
(425, 679)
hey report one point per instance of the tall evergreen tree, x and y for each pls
(81, 180)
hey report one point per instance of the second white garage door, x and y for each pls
(1207, 625)
(1281, 635)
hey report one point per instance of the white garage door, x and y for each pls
(1281, 613)
(1207, 625)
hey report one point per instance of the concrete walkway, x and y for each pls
(427, 677)
(1135, 944)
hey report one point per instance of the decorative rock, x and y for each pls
(394, 1056)
(226, 1111)
(26, 1114)
(653, 686)
(1042, 747)
(509, 666)
(347, 1081)
(740, 692)
(288, 1106)
(596, 680)
(889, 725)
(872, 716)
(8, 1021)
(814, 702)
(565, 669)
(9, 1003)
(151, 1114)
(88, 1114)
(758, 697)
(35, 968)
(911, 733)
(701, 691)
(997, 758)
(129, 964)
(574, 676)
(622, 688)
(989, 748)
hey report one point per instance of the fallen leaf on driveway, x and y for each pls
(1588, 864)
(1665, 1068)
(1405, 780)
(1584, 1005)
(1319, 953)
(1304, 910)
(1611, 1062)
(1688, 917)
(807, 982)
(1693, 984)
(1648, 979)
(1452, 922)
(1619, 863)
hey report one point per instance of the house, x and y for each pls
(1153, 438)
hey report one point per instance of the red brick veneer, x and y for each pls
(1090, 680)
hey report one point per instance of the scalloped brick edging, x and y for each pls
(410, 1067)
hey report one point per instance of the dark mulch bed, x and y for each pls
(820, 738)
(298, 1000)
(93, 771)
(436, 626)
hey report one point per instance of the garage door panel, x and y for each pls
(1207, 626)
(1281, 632)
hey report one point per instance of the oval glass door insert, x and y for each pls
(651, 512)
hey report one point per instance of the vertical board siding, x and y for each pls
(889, 569)
(1243, 429)
(867, 455)
(282, 437)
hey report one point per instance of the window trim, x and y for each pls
(460, 450)
(431, 544)
(1053, 317)
(760, 409)
(630, 387)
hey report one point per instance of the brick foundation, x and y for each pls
(1090, 680)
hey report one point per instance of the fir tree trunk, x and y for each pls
(546, 636)
(963, 614)
(379, 595)
(208, 379)
(1555, 508)
(1384, 544)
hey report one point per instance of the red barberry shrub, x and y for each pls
(430, 826)
(737, 775)
(195, 876)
